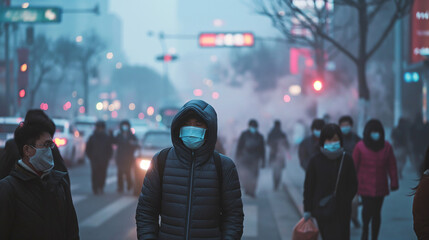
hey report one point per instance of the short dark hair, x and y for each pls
(28, 132)
(346, 119)
(100, 124)
(253, 123)
(318, 124)
(125, 122)
(37, 115)
(328, 132)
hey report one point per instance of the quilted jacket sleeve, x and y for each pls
(232, 205)
(149, 205)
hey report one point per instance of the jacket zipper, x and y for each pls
(190, 197)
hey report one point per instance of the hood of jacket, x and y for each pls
(208, 114)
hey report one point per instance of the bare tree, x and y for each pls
(365, 12)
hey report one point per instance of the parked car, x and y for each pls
(152, 142)
(69, 142)
(7, 129)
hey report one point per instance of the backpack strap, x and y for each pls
(161, 159)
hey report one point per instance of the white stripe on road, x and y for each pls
(111, 180)
(250, 221)
(78, 198)
(106, 213)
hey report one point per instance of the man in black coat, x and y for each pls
(99, 151)
(188, 195)
(127, 144)
(10, 155)
(278, 143)
(310, 145)
(250, 157)
(35, 199)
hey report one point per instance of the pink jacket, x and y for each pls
(373, 169)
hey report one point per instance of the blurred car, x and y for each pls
(7, 129)
(85, 125)
(152, 142)
(69, 142)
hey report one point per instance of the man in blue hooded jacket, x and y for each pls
(187, 194)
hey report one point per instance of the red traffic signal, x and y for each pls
(167, 58)
(227, 39)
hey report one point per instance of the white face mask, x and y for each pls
(42, 161)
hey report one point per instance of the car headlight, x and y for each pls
(144, 164)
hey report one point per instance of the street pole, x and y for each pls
(398, 72)
(6, 51)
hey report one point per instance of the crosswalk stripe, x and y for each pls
(250, 221)
(107, 212)
(79, 198)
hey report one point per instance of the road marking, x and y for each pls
(250, 221)
(74, 187)
(78, 198)
(111, 180)
(107, 212)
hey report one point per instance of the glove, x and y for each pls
(307, 215)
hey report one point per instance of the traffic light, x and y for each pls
(317, 85)
(227, 39)
(167, 58)
(411, 77)
(22, 73)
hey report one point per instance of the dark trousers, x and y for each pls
(98, 175)
(124, 171)
(371, 212)
(337, 228)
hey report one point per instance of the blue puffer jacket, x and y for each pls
(189, 204)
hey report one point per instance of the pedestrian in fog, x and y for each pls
(99, 151)
(250, 157)
(310, 145)
(126, 144)
(10, 155)
(35, 199)
(420, 203)
(278, 144)
(330, 185)
(401, 144)
(350, 139)
(195, 189)
(375, 162)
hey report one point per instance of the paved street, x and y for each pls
(111, 216)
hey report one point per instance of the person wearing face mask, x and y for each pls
(127, 144)
(310, 145)
(185, 189)
(330, 185)
(35, 199)
(375, 163)
(250, 155)
(350, 139)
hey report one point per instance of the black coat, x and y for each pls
(11, 156)
(349, 141)
(189, 200)
(34, 208)
(99, 148)
(127, 145)
(274, 137)
(251, 144)
(320, 180)
(308, 148)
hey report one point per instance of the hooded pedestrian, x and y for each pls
(310, 145)
(197, 198)
(420, 202)
(35, 199)
(250, 157)
(375, 163)
(330, 185)
(279, 145)
(99, 151)
(350, 139)
(126, 144)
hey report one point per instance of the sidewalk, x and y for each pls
(397, 218)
